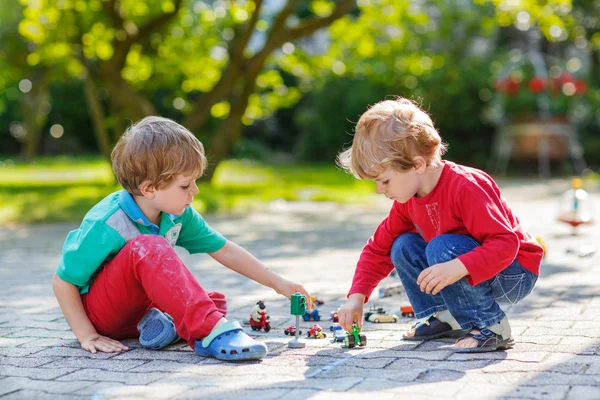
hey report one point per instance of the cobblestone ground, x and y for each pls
(556, 328)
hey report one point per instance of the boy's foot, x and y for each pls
(157, 330)
(432, 328)
(229, 343)
(481, 341)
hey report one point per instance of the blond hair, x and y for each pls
(156, 149)
(391, 133)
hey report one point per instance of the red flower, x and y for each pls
(580, 87)
(565, 77)
(537, 85)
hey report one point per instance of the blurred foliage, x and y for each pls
(441, 53)
(65, 188)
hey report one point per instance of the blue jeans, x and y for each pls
(472, 306)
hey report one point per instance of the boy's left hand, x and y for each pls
(288, 288)
(438, 276)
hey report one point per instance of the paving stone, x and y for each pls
(114, 390)
(123, 377)
(37, 373)
(110, 365)
(28, 362)
(14, 342)
(18, 351)
(71, 352)
(550, 392)
(247, 394)
(8, 385)
(36, 394)
(584, 393)
(43, 333)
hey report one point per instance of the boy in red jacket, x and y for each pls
(455, 242)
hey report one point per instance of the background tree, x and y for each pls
(209, 59)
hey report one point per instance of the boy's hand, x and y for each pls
(102, 343)
(288, 288)
(352, 311)
(433, 279)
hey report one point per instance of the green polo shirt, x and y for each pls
(114, 221)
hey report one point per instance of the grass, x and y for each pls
(63, 189)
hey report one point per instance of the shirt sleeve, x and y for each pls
(484, 214)
(85, 250)
(196, 236)
(375, 263)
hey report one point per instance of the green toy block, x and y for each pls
(298, 306)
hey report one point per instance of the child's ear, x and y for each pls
(420, 164)
(148, 189)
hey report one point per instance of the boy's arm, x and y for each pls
(241, 261)
(70, 303)
(375, 263)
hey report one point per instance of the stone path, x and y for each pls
(556, 328)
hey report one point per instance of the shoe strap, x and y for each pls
(228, 326)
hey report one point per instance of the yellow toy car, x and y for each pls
(382, 316)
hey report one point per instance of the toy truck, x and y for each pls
(355, 338)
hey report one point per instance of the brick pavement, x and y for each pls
(556, 329)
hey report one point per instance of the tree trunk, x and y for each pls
(135, 105)
(98, 117)
(35, 115)
(231, 129)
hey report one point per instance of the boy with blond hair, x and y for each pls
(119, 276)
(455, 242)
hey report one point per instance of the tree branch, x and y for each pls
(113, 7)
(282, 35)
(122, 47)
(311, 25)
(236, 64)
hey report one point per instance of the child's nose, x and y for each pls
(379, 188)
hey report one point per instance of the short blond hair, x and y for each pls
(156, 149)
(391, 133)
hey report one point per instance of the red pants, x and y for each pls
(148, 273)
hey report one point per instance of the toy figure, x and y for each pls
(259, 318)
(316, 332)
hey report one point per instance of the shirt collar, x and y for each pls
(134, 212)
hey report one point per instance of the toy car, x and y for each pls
(375, 309)
(291, 330)
(334, 316)
(335, 327)
(407, 311)
(383, 317)
(355, 338)
(339, 334)
(316, 332)
(314, 315)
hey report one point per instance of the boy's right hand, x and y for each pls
(101, 343)
(352, 311)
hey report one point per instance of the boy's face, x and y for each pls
(175, 198)
(396, 185)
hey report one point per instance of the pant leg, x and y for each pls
(409, 259)
(471, 306)
(147, 272)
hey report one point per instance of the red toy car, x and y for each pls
(407, 311)
(316, 332)
(334, 316)
(291, 330)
